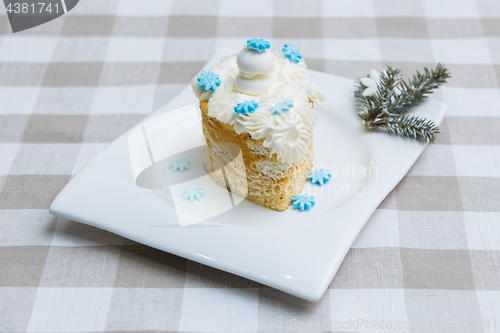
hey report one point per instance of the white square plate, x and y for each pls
(293, 251)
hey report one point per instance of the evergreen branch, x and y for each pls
(418, 87)
(385, 107)
(417, 128)
(376, 106)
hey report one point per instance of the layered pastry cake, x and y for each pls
(261, 106)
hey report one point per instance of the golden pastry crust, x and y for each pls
(265, 186)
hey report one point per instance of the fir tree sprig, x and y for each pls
(385, 107)
(417, 128)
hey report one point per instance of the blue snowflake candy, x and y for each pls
(246, 107)
(258, 44)
(179, 164)
(192, 193)
(282, 106)
(208, 80)
(292, 53)
(303, 201)
(320, 177)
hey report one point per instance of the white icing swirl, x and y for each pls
(315, 93)
(220, 103)
(258, 124)
(289, 138)
(230, 116)
(228, 66)
(288, 72)
(287, 135)
(227, 71)
(303, 108)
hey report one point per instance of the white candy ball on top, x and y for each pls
(255, 86)
(255, 63)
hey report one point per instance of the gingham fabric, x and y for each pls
(430, 254)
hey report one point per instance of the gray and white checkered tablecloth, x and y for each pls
(430, 254)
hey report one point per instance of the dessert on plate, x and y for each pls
(264, 104)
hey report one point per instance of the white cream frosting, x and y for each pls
(289, 134)
(288, 72)
(288, 137)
